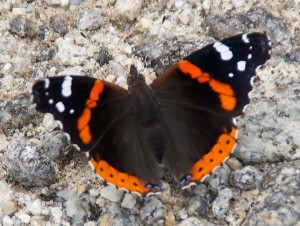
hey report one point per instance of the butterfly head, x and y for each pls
(135, 78)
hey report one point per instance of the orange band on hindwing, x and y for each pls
(119, 179)
(83, 121)
(215, 157)
(225, 92)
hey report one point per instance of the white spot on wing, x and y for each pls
(241, 65)
(47, 83)
(66, 88)
(71, 111)
(249, 56)
(234, 121)
(245, 38)
(50, 101)
(224, 50)
(60, 107)
(230, 75)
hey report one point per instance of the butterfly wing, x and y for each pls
(97, 116)
(200, 95)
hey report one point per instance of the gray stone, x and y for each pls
(129, 201)
(117, 216)
(103, 56)
(224, 25)
(21, 26)
(59, 24)
(111, 193)
(128, 9)
(27, 165)
(69, 54)
(259, 19)
(163, 51)
(46, 53)
(54, 143)
(16, 114)
(153, 211)
(246, 178)
(279, 199)
(220, 205)
(77, 207)
(198, 205)
(89, 20)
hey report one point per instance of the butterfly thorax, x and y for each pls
(142, 103)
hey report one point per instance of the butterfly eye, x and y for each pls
(129, 80)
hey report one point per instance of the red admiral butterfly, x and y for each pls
(184, 119)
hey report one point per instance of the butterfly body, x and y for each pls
(184, 119)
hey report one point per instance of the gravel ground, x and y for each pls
(45, 181)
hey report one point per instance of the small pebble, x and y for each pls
(20, 26)
(246, 178)
(128, 9)
(198, 205)
(54, 144)
(129, 201)
(7, 221)
(25, 218)
(69, 54)
(19, 11)
(59, 24)
(153, 211)
(183, 214)
(94, 192)
(220, 205)
(89, 20)
(112, 194)
(35, 207)
(56, 213)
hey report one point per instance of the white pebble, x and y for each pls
(36, 207)
(7, 67)
(129, 201)
(7, 221)
(19, 11)
(129, 9)
(56, 213)
(94, 192)
(112, 194)
(24, 218)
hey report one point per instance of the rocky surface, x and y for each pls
(45, 181)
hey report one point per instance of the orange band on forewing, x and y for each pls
(85, 135)
(225, 92)
(83, 121)
(96, 90)
(215, 157)
(188, 68)
(119, 179)
(204, 78)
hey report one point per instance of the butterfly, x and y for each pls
(183, 120)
